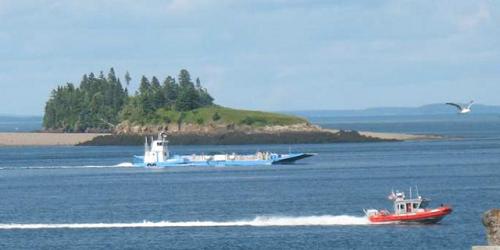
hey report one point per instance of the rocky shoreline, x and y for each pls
(239, 137)
(219, 134)
(214, 128)
(231, 134)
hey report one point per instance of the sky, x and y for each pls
(258, 54)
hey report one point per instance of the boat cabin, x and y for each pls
(405, 206)
(157, 150)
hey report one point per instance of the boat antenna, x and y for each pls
(416, 187)
(410, 193)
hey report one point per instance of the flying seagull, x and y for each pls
(462, 109)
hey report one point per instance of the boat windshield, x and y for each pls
(424, 203)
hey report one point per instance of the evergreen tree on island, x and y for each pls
(99, 103)
(188, 98)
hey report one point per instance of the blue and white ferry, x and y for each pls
(156, 154)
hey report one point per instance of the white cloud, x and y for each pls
(473, 20)
(180, 5)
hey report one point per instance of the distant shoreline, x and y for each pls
(400, 136)
(102, 139)
(45, 139)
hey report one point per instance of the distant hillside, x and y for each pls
(431, 109)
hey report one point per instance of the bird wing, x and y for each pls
(470, 104)
(455, 105)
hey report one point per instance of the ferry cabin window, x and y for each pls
(159, 143)
(415, 205)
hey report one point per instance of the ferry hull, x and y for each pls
(429, 216)
(177, 161)
(157, 155)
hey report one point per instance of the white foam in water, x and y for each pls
(124, 164)
(121, 165)
(259, 221)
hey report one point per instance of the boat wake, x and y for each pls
(124, 165)
(259, 221)
(121, 165)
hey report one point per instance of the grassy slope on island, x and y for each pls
(223, 115)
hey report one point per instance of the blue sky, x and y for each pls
(259, 54)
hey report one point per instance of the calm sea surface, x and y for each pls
(86, 197)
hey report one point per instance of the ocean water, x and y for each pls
(20, 123)
(88, 197)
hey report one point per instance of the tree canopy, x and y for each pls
(99, 103)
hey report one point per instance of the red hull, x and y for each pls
(426, 216)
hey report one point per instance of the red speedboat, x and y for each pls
(412, 210)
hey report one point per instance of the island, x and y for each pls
(101, 111)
